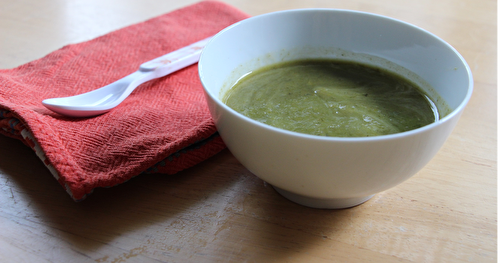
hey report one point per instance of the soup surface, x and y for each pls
(331, 98)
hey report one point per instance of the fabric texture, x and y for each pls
(164, 126)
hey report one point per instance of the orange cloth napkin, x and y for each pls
(163, 127)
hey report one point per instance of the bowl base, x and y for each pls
(335, 203)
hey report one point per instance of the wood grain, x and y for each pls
(218, 211)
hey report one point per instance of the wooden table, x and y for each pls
(218, 211)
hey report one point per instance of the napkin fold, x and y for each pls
(164, 126)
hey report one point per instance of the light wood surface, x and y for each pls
(218, 211)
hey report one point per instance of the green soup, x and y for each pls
(331, 98)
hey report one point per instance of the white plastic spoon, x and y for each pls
(106, 98)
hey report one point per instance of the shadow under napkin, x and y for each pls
(208, 212)
(163, 126)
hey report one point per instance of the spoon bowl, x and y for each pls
(98, 101)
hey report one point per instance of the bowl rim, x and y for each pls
(457, 111)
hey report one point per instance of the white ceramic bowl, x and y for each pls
(331, 172)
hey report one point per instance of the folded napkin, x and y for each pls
(163, 127)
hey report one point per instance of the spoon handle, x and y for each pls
(175, 60)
